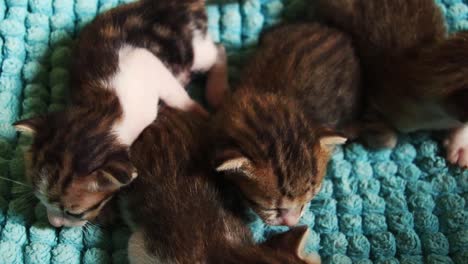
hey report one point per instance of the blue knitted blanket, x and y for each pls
(400, 206)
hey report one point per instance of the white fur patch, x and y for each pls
(142, 79)
(205, 52)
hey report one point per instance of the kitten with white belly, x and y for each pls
(177, 207)
(126, 62)
(415, 73)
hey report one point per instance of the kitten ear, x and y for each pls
(113, 177)
(329, 139)
(230, 161)
(293, 242)
(332, 141)
(29, 126)
(234, 164)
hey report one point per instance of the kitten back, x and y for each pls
(412, 71)
(439, 73)
(386, 27)
(314, 64)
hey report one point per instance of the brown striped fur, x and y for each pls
(276, 133)
(77, 163)
(179, 213)
(415, 76)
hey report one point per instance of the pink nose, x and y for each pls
(289, 217)
(54, 219)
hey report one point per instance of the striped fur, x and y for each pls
(414, 73)
(77, 162)
(295, 93)
(178, 210)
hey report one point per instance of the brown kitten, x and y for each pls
(274, 136)
(125, 61)
(415, 76)
(177, 210)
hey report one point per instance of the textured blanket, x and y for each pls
(401, 206)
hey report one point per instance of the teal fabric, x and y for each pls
(401, 206)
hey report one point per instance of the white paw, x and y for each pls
(457, 146)
(205, 52)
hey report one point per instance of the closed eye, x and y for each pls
(92, 208)
(254, 203)
(79, 216)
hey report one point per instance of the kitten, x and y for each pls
(275, 134)
(126, 60)
(177, 211)
(414, 73)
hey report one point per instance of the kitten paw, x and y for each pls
(456, 145)
(379, 136)
(381, 140)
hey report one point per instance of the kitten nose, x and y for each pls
(290, 217)
(54, 219)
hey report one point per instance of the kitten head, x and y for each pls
(290, 246)
(273, 153)
(75, 165)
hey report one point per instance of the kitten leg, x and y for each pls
(217, 83)
(457, 146)
(379, 135)
(374, 132)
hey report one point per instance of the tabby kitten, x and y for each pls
(125, 61)
(176, 210)
(275, 135)
(414, 73)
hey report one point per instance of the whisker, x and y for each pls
(13, 181)
(89, 224)
(23, 196)
(86, 228)
(46, 195)
(22, 192)
(95, 225)
(21, 188)
(29, 197)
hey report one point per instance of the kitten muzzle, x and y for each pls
(289, 217)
